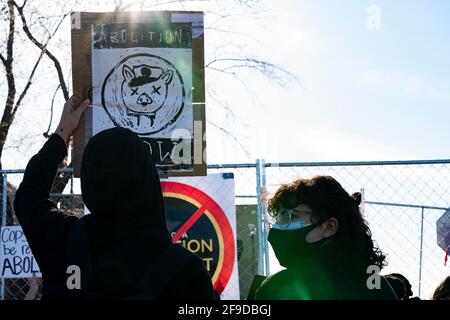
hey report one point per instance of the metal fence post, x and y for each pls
(71, 183)
(363, 199)
(260, 220)
(421, 249)
(4, 211)
(265, 217)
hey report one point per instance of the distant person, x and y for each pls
(322, 240)
(123, 247)
(397, 285)
(240, 248)
(33, 290)
(442, 291)
(406, 283)
(401, 286)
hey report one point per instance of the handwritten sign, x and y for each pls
(143, 71)
(16, 259)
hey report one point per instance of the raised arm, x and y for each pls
(46, 227)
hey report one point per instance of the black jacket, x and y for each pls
(322, 281)
(127, 229)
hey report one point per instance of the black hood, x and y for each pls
(119, 181)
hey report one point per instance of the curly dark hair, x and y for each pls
(442, 292)
(352, 242)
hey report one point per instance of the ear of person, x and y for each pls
(330, 227)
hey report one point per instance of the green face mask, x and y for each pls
(291, 247)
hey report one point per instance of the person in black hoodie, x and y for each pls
(322, 240)
(124, 249)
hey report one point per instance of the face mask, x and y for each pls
(289, 226)
(289, 243)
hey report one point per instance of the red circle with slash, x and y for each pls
(205, 204)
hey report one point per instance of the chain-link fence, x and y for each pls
(402, 201)
(63, 195)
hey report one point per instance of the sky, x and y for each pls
(368, 88)
(365, 94)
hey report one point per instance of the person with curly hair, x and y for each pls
(442, 292)
(326, 246)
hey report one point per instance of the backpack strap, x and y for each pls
(162, 271)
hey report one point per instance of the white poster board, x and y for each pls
(16, 259)
(143, 71)
(148, 90)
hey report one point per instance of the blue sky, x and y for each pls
(364, 94)
(368, 94)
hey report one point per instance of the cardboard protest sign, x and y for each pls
(201, 215)
(16, 259)
(143, 71)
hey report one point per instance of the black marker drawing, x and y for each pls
(144, 93)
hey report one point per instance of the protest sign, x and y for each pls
(143, 71)
(16, 259)
(201, 216)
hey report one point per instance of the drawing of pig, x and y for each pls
(144, 90)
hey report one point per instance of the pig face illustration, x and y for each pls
(144, 90)
(145, 93)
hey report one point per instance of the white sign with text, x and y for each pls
(16, 259)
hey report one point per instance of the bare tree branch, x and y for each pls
(212, 94)
(3, 59)
(27, 86)
(268, 69)
(19, 142)
(6, 120)
(51, 112)
(10, 44)
(23, 4)
(44, 49)
(232, 32)
(227, 132)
